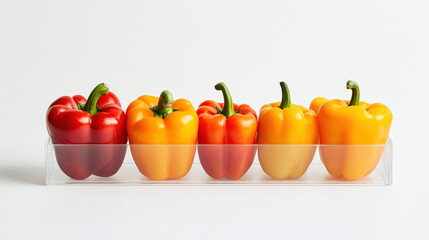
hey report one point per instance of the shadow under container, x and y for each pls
(144, 163)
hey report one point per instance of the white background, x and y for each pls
(54, 48)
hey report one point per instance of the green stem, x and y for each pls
(228, 105)
(164, 105)
(354, 101)
(286, 102)
(165, 102)
(91, 103)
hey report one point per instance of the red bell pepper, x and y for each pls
(233, 129)
(73, 121)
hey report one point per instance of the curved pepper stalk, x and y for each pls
(91, 104)
(165, 103)
(286, 101)
(354, 101)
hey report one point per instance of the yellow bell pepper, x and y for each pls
(285, 123)
(316, 103)
(162, 134)
(352, 135)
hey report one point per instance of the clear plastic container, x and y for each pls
(287, 164)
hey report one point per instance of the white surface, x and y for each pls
(54, 48)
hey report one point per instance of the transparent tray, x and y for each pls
(163, 159)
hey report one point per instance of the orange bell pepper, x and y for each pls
(162, 134)
(352, 135)
(292, 133)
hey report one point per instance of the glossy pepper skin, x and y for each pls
(73, 121)
(319, 101)
(154, 122)
(285, 123)
(226, 134)
(345, 128)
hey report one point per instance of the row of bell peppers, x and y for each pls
(226, 133)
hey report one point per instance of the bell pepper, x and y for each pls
(316, 103)
(226, 136)
(352, 135)
(287, 135)
(99, 121)
(163, 134)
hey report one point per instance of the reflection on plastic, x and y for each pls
(230, 161)
(351, 162)
(220, 164)
(161, 162)
(286, 161)
(81, 161)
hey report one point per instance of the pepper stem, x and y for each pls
(91, 103)
(286, 102)
(354, 101)
(165, 103)
(228, 105)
